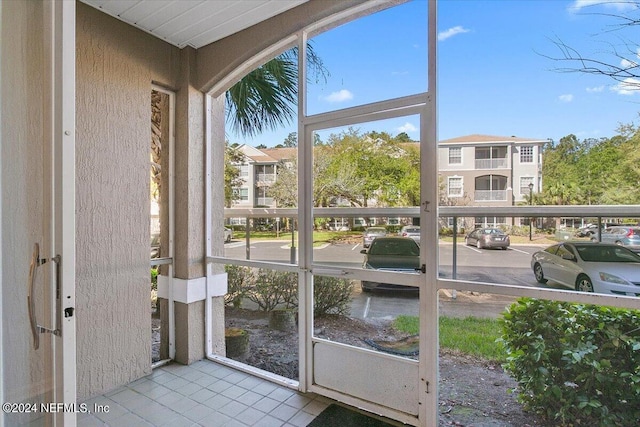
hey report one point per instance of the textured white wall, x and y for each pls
(116, 66)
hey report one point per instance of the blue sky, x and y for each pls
(494, 77)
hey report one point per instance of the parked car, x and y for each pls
(155, 245)
(592, 229)
(391, 254)
(621, 235)
(589, 267)
(371, 233)
(411, 231)
(488, 238)
(228, 234)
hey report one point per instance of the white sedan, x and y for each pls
(589, 267)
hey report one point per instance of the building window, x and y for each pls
(526, 154)
(242, 194)
(244, 170)
(455, 155)
(455, 186)
(524, 185)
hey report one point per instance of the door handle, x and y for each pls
(33, 269)
(37, 329)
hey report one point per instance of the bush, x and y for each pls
(239, 279)
(331, 295)
(154, 278)
(575, 364)
(271, 289)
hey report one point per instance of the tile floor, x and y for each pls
(202, 394)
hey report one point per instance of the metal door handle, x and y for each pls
(33, 269)
(36, 329)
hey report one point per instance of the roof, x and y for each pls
(286, 153)
(490, 139)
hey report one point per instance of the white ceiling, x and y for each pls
(193, 23)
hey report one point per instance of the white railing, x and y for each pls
(264, 201)
(492, 163)
(490, 195)
(266, 178)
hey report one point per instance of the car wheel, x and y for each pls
(479, 244)
(228, 239)
(364, 285)
(504, 248)
(594, 240)
(583, 283)
(466, 241)
(619, 243)
(537, 271)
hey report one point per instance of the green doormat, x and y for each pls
(339, 416)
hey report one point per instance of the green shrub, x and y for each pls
(575, 364)
(331, 295)
(239, 280)
(154, 278)
(272, 289)
(393, 229)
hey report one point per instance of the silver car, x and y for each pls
(621, 235)
(371, 233)
(411, 231)
(488, 238)
(228, 234)
(589, 267)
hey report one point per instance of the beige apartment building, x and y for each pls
(476, 170)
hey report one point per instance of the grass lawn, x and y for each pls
(471, 335)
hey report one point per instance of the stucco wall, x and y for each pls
(116, 66)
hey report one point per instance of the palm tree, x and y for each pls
(265, 98)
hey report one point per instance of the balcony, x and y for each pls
(264, 201)
(490, 195)
(502, 163)
(265, 179)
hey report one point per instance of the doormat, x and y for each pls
(408, 346)
(339, 416)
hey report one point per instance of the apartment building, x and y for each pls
(258, 173)
(487, 170)
(477, 170)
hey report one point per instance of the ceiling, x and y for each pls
(194, 23)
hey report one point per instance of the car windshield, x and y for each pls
(597, 253)
(399, 247)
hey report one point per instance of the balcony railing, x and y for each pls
(490, 195)
(264, 201)
(266, 178)
(492, 163)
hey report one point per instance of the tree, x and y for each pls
(291, 140)
(619, 62)
(264, 98)
(232, 179)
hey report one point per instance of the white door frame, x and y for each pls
(63, 45)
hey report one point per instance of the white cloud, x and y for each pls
(627, 87)
(595, 89)
(578, 5)
(629, 63)
(339, 96)
(443, 35)
(407, 127)
(566, 97)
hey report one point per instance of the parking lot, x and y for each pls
(485, 265)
